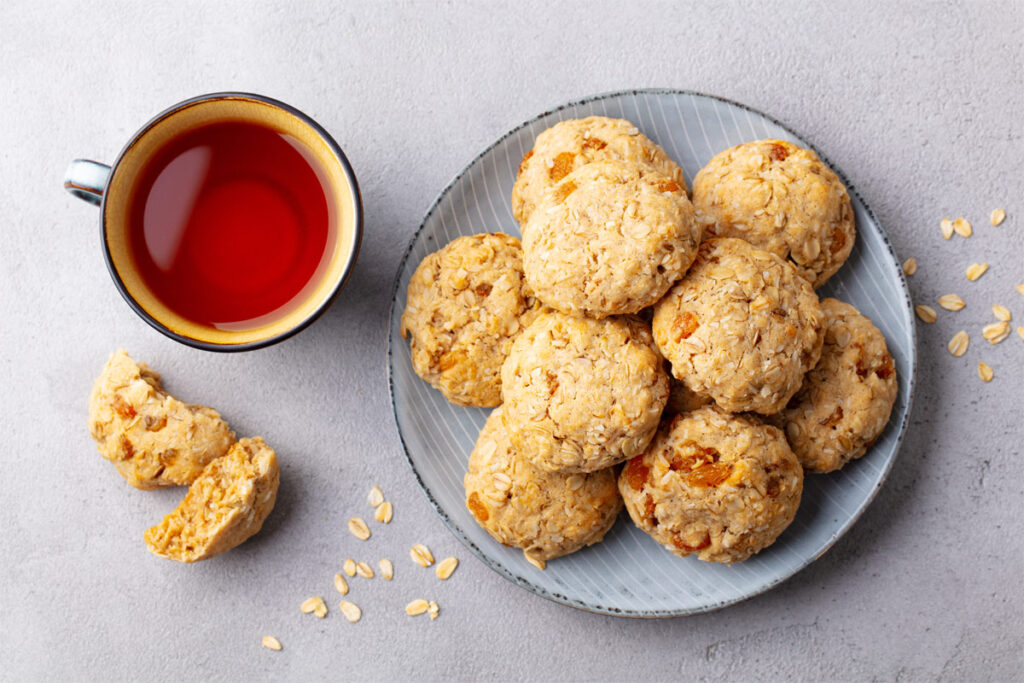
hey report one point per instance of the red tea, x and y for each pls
(230, 224)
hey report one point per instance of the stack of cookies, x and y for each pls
(613, 334)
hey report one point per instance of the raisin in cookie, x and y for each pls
(742, 327)
(583, 394)
(466, 304)
(609, 239)
(153, 439)
(545, 514)
(719, 485)
(845, 401)
(225, 506)
(568, 145)
(780, 198)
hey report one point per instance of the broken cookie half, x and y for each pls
(225, 505)
(154, 439)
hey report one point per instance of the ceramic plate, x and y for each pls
(628, 573)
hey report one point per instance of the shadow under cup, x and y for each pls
(121, 216)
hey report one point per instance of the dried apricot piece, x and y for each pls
(637, 472)
(476, 507)
(709, 474)
(561, 166)
(526, 157)
(684, 325)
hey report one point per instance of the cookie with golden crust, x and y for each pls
(466, 304)
(545, 514)
(582, 394)
(845, 401)
(609, 240)
(224, 507)
(742, 327)
(568, 145)
(153, 439)
(781, 198)
(718, 485)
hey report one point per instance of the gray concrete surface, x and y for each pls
(919, 103)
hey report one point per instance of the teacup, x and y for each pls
(229, 222)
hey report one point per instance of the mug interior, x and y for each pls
(341, 195)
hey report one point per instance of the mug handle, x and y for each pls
(87, 180)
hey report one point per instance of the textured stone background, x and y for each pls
(919, 103)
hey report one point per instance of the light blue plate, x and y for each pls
(628, 573)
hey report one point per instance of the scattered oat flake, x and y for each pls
(433, 610)
(1020, 332)
(1020, 288)
(271, 643)
(364, 570)
(958, 344)
(445, 567)
(976, 270)
(417, 607)
(421, 555)
(910, 266)
(951, 302)
(341, 584)
(985, 372)
(997, 216)
(387, 570)
(375, 497)
(349, 567)
(962, 227)
(1002, 313)
(926, 313)
(996, 332)
(358, 528)
(351, 611)
(947, 228)
(539, 564)
(384, 512)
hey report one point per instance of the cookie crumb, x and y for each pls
(433, 610)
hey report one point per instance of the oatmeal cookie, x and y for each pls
(568, 145)
(845, 401)
(583, 394)
(719, 485)
(546, 514)
(153, 439)
(466, 304)
(225, 506)
(742, 327)
(608, 240)
(780, 198)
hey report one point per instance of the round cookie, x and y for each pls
(609, 239)
(568, 145)
(545, 514)
(719, 485)
(465, 305)
(845, 401)
(780, 198)
(582, 394)
(742, 327)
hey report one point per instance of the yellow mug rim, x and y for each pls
(333, 283)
